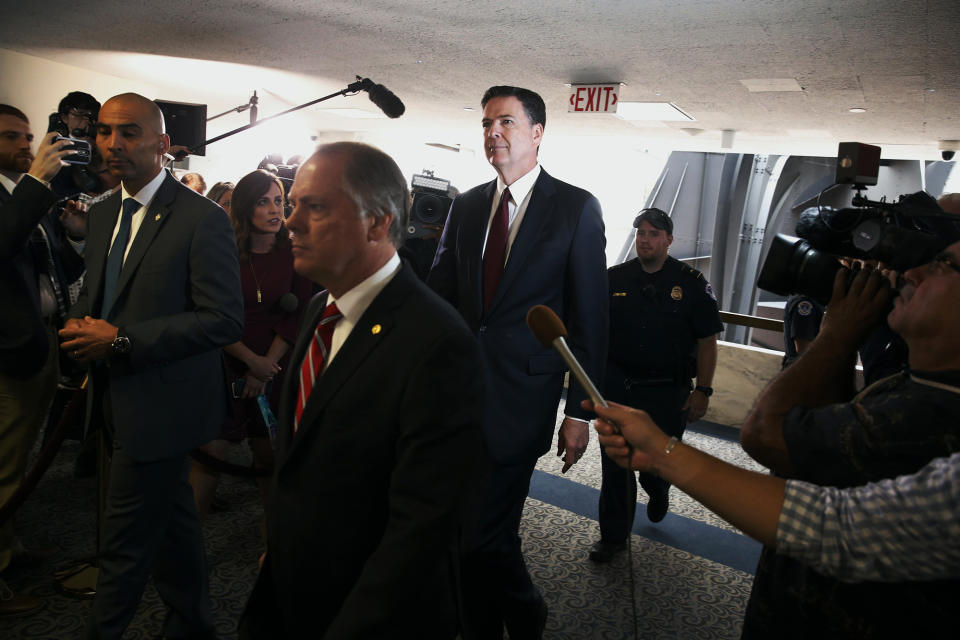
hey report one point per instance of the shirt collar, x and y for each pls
(520, 187)
(9, 184)
(145, 195)
(353, 303)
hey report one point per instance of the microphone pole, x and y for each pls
(352, 89)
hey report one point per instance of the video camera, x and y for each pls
(431, 203)
(900, 235)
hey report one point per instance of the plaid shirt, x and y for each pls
(906, 528)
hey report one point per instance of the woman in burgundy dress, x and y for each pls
(273, 296)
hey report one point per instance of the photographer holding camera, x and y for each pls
(75, 118)
(808, 425)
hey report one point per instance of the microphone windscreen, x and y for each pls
(289, 303)
(389, 103)
(545, 325)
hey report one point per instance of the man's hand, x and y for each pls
(696, 405)
(89, 339)
(572, 441)
(262, 367)
(853, 311)
(49, 158)
(641, 439)
(74, 219)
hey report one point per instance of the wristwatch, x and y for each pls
(121, 344)
(707, 391)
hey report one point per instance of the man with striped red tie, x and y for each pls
(379, 425)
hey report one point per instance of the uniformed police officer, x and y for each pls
(664, 323)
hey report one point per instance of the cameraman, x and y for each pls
(75, 118)
(808, 425)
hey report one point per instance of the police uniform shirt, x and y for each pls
(657, 318)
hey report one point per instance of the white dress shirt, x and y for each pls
(354, 303)
(144, 197)
(520, 192)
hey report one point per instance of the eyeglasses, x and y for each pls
(941, 262)
(80, 113)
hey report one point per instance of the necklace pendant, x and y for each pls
(259, 296)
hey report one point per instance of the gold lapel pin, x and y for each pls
(375, 329)
(157, 219)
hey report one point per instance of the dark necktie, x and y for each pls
(111, 275)
(496, 254)
(315, 358)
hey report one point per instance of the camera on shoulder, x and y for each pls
(901, 234)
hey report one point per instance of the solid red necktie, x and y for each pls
(496, 253)
(315, 357)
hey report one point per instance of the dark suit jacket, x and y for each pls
(367, 494)
(557, 259)
(23, 338)
(179, 301)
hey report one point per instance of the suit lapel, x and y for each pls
(155, 216)
(374, 326)
(528, 234)
(474, 235)
(98, 245)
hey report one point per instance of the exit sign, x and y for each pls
(593, 98)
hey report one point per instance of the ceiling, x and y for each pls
(898, 60)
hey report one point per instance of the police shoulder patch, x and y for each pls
(805, 307)
(709, 290)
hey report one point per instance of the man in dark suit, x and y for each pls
(379, 424)
(521, 240)
(36, 266)
(161, 297)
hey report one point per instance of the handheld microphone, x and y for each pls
(389, 103)
(550, 332)
(288, 302)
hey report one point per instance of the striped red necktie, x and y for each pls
(315, 357)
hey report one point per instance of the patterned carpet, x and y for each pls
(692, 571)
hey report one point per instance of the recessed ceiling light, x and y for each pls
(656, 111)
(469, 109)
(857, 110)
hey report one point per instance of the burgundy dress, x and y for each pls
(273, 274)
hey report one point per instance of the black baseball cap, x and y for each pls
(656, 217)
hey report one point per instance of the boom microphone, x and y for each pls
(381, 96)
(550, 332)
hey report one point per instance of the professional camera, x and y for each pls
(900, 235)
(431, 204)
